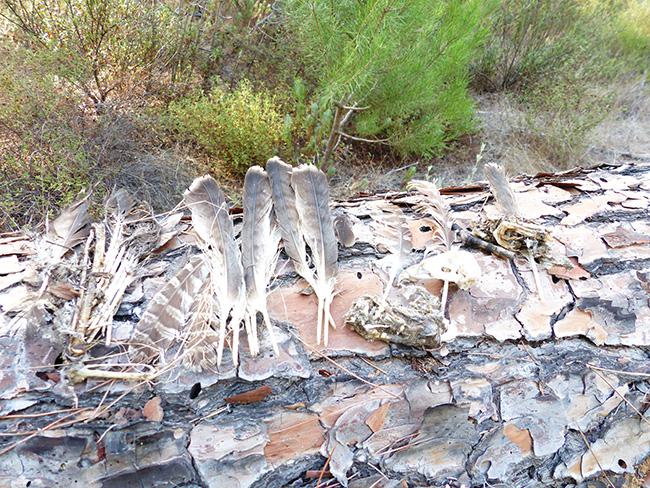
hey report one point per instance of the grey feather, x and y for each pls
(392, 232)
(120, 203)
(344, 231)
(259, 240)
(312, 203)
(257, 222)
(165, 317)
(501, 189)
(212, 222)
(286, 215)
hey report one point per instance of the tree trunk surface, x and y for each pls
(527, 387)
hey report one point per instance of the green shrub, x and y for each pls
(633, 33)
(44, 162)
(559, 116)
(532, 41)
(240, 128)
(405, 60)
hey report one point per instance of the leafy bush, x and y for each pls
(532, 41)
(406, 61)
(240, 128)
(43, 162)
(560, 115)
(633, 32)
(103, 47)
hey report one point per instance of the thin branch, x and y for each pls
(361, 139)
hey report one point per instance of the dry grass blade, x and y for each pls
(584, 438)
(57, 423)
(343, 368)
(622, 397)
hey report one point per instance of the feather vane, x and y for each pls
(70, 228)
(312, 203)
(259, 241)
(501, 190)
(437, 208)
(212, 222)
(286, 214)
(164, 319)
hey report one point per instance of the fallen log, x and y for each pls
(521, 387)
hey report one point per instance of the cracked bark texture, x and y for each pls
(526, 390)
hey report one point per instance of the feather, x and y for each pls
(436, 208)
(392, 232)
(286, 215)
(259, 241)
(507, 203)
(165, 317)
(70, 228)
(211, 220)
(501, 189)
(344, 231)
(312, 203)
(200, 341)
(120, 203)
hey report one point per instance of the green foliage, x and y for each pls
(406, 60)
(633, 33)
(560, 115)
(240, 128)
(43, 162)
(532, 41)
(103, 47)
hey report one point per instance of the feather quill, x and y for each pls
(259, 241)
(312, 203)
(211, 220)
(200, 341)
(507, 203)
(501, 190)
(437, 208)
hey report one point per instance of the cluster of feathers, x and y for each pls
(224, 288)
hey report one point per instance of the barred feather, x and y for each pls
(436, 208)
(166, 315)
(212, 222)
